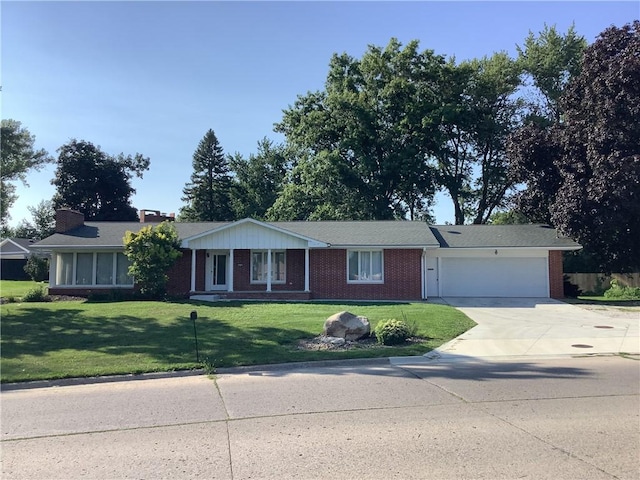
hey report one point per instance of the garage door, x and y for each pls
(494, 277)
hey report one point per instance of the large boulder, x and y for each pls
(347, 325)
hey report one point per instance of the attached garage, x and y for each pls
(494, 277)
(496, 261)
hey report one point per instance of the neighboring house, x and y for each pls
(357, 260)
(14, 253)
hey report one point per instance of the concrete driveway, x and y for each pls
(541, 326)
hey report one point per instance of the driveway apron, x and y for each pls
(538, 327)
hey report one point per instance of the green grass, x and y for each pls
(79, 339)
(17, 288)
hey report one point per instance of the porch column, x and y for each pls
(306, 269)
(230, 279)
(193, 270)
(269, 270)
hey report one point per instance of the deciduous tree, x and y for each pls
(549, 61)
(43, 224)
(372, 129)
(258, 180)
(479, 112)
(95, 183)
(17, 157)
(586, 169)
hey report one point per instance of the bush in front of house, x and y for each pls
(37, 268)
(617, 292)
(392, 332)
(36, 294)
(151, 252)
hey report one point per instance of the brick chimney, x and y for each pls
(67, 219)
(154, 216)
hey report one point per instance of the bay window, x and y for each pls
(101, 269)
(364, 266)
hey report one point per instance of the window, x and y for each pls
(84, 269)
(122, 275)
(365, 266)
(259, 266)
(105, 269)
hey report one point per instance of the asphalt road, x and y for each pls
(562, 418)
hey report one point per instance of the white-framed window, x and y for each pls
(89, 269)
(259, 266)
(365, 266)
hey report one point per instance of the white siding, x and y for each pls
(247, 236)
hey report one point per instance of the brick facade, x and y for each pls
(556, 282)
(294, 275)
(180, 273)
(402, 276)
(327, 276)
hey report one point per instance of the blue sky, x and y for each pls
(153, 77)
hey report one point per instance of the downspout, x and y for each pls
(423, 274)
(193, 270)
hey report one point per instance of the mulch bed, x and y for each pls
(320, 343)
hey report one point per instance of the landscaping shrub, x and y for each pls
(616, 292)
(392, 332)
(571, 290)
(113, 295)
(36, 294)
(37, 268)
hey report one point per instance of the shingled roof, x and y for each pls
(344, 234)
(492, 236)
(338, 233)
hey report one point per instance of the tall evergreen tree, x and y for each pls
(208, 194)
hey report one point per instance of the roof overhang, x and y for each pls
(252, 234)
(568, 247)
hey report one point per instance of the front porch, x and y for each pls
(249, 260)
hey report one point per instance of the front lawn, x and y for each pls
(78, 339)
(17, 288)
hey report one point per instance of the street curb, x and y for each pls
(64, 382)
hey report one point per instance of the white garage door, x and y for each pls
(494, 277)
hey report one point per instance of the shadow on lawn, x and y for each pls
(37, 332)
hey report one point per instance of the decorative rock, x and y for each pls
(347, 325)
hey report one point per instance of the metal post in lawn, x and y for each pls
(194, 315)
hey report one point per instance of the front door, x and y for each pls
(432, 277)
(216, 270)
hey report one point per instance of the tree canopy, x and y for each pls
(258, 180)
(208, 194)
(17, 157)
(371, 131)
(585, 170)
(550, 61)
(95, 183)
